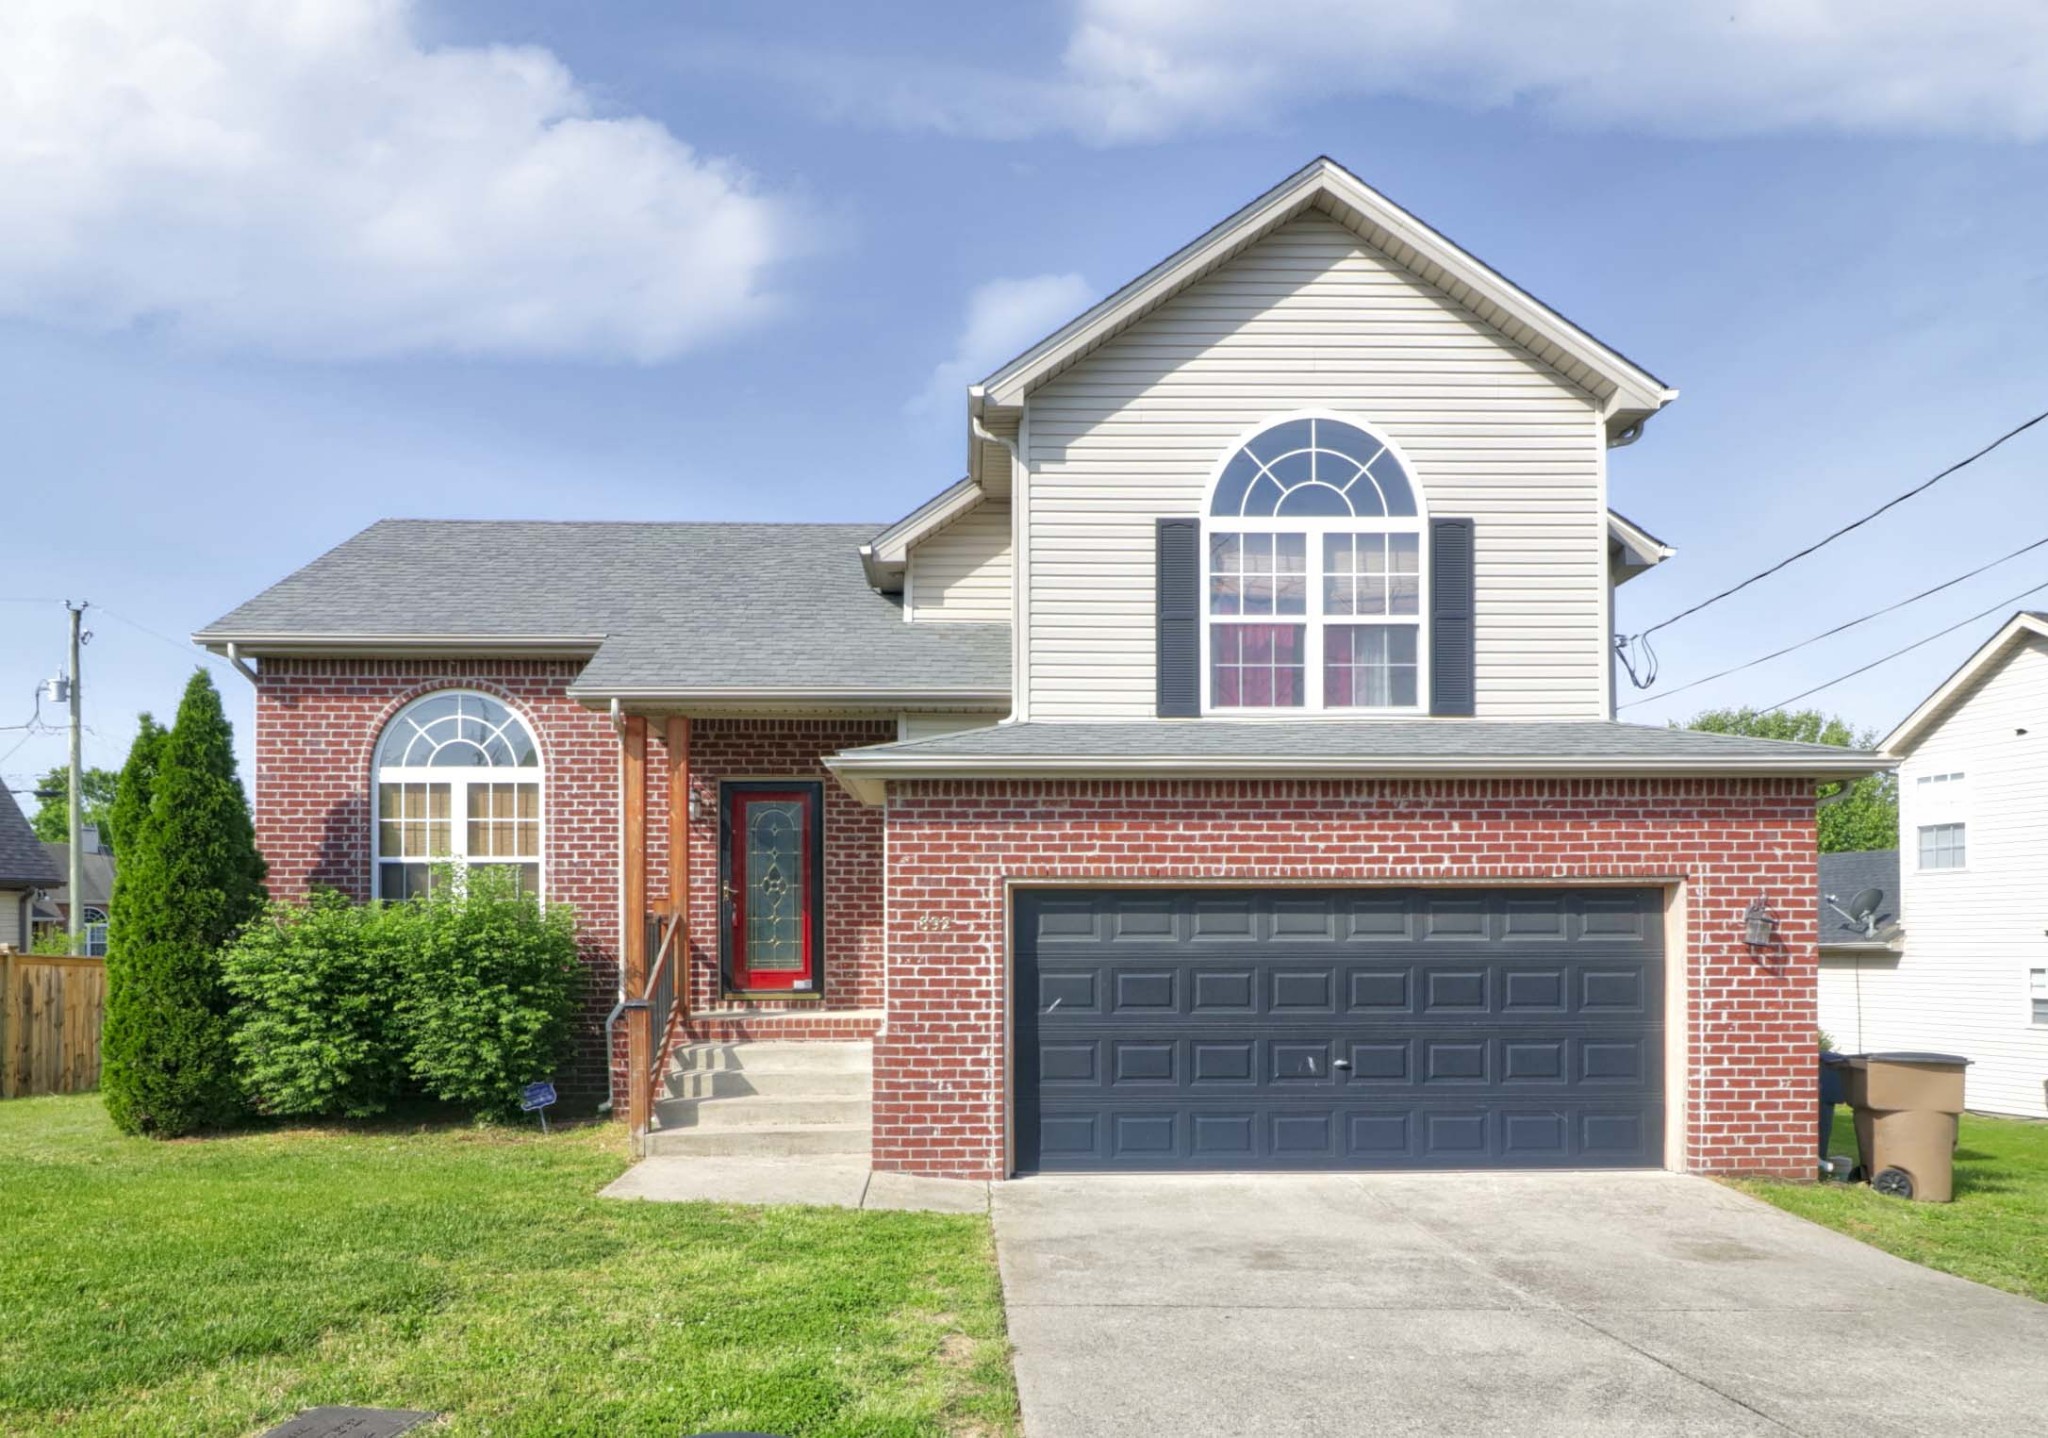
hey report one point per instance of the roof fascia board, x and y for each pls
(869, 772)
(1645, 550)
(1636, 390)
(738, 696)
(884, 556)
(571, 646)
(1902, 739)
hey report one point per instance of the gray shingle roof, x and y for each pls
(761, 608)
(1405, 741)
(23, 860)
(1843, 875)
(95, 872)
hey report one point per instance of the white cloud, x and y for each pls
(1005, 317)
(1144, 70)
(307, 177)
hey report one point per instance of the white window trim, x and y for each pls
(2037, 993)
(458, 778)
(1920, 864)
(1314, 619)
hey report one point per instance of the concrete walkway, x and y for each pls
(1567, 1304)
(829, 1180)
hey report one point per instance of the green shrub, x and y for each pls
(315, 986)
(189, 880)
(492, 987)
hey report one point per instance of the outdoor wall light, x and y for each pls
(1759, 925)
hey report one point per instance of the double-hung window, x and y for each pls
(1314, 574)
(458, 782)
(1939, 803)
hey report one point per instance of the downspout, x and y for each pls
(611, 1020)
(982, 431)
(241, 664)
(1020, 571)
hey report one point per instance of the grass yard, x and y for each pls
(1995, 1232)
(218, 1286)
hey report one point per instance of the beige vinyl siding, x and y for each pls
(963, 572)
(1972, 934)
(1309, 318)
(930, 726)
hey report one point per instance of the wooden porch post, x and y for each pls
(678, 737)
(633, 949)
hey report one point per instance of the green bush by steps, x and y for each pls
(465, 996)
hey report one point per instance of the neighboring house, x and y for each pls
(96, 878)
(24, 869)
(1972, 974)
(1220, 775)
(1855, 954)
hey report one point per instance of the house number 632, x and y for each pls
(931, 923)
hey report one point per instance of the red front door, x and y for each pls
(772, 887)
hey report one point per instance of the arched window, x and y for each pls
(1314, 572)
(95, 932)
(435, 803)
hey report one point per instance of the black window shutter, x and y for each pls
(1451, 678)
(1179, 581)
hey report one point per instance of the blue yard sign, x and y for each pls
(535, 1098)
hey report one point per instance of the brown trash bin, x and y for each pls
(1906, 1106)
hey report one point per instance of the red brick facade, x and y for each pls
(317, 723)
(941, 1059)
(941, 1097)
(723, 750)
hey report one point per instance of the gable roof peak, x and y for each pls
(1630, 393)
(2024, 624)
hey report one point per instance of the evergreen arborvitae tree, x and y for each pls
(138, 778)
(189, 879)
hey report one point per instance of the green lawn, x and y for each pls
(218, 1286)
(1995, 1232)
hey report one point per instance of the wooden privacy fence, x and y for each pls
(50, 1011)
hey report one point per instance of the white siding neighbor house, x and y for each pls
(1972, 974)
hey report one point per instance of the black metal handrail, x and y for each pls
(660, 997)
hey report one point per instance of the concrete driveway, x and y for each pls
(1577, 1304)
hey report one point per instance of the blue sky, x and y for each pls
(270, 273)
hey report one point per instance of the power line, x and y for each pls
(1855, 524)
(1840, 628)
(180, 645)
(1907, 649)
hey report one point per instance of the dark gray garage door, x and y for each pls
(1339, 1029)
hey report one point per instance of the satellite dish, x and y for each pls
(1862, 910)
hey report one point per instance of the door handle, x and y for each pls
(1344, 1064)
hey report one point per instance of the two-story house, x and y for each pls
(1969, 975)
(1220, 775)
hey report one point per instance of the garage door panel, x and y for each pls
(1470, 1135)
(1340, 1029)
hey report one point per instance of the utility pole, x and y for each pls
(76, 878)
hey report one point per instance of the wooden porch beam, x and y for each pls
(677, 737)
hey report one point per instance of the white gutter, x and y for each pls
(866, 778)
(275, 643)
(859, 697)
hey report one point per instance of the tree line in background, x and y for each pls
(222, 1005)
(1854, 815)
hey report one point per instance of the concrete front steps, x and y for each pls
(765, 1099)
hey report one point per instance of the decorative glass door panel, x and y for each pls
(771, 887)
